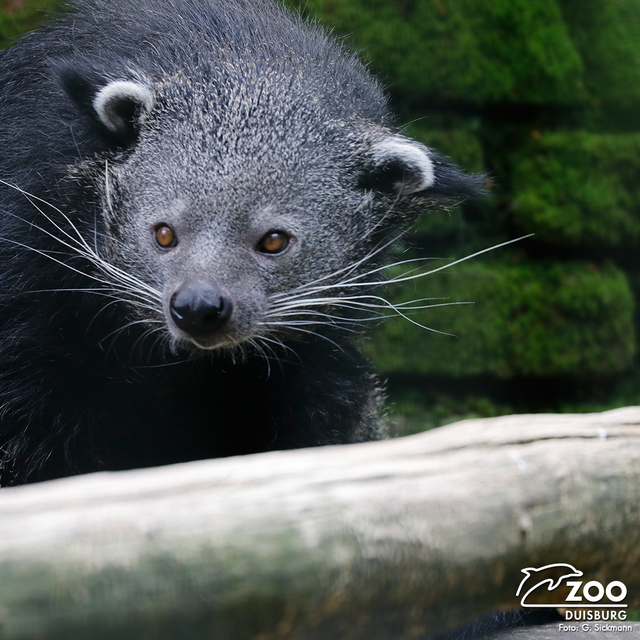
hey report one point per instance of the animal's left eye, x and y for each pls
(165, 236)
(274, 242)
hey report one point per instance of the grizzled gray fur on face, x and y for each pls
(197, 200)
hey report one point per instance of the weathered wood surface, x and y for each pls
(385, 540)
(553, 632)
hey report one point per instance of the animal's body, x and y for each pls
(197, 198)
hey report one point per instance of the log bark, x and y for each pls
(384, 540)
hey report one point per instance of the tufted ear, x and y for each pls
(400, 166)
(117, 105)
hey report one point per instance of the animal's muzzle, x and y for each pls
(199, 309)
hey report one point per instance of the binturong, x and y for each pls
(197, 201)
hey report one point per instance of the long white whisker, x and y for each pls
(307, 289)
(349, 268)
(47, 255)
(83, 248)
(376, 309)
(126, 326)
(396, 280)
(356, 300)
(320, 335)
(106, 293)
(149, 332)
(307, 323)
(317, 314)
(141, 293)
(107, 190)
(261, 349)
(278, 343)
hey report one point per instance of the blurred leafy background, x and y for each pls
(542, 96)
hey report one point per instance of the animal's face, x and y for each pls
(249, 207)
(222, 241)
(246, 223)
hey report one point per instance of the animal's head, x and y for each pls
(249, 197)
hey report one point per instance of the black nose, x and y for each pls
(199, 308)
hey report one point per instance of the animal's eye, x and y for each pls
(165, 236)
(274, 242)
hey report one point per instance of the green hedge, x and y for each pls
(575, 187)
(531, 319)
(14, 24)
(607, 36)
(464, 51)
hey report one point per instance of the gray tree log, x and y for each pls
(385, 540)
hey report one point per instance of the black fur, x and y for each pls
(254, 115)
(83, 384)
(492, 626)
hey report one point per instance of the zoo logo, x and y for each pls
(555, 574)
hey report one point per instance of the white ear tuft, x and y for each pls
(116, 103)
(409, 156)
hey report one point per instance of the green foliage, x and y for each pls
(574, 187)
(16, 23)
(424, 405)
(530, 319)
(607, 35)
(523, 82)
(464, 51)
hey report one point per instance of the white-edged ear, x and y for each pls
(117, 103)
(406, 163)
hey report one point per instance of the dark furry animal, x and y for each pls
(197, 199)
(492, 626)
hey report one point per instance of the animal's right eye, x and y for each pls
(274, 242)
(165, 236)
